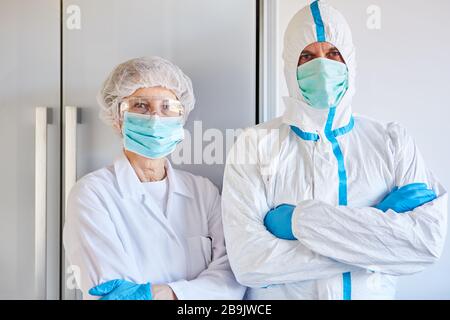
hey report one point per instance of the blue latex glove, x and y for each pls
(279, 221)
(122, 290)
(407, 198)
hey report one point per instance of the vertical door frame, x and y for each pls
(268, 60)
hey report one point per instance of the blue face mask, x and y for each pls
(150, 136)
(323, 82)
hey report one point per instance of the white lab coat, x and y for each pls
(112, 231)
(271, 165)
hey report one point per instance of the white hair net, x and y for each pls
(144, 72)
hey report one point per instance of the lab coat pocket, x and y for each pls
(199, 254)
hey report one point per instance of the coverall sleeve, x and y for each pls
(92, 245)
(257, 258)
(217, 282)
(389, 242)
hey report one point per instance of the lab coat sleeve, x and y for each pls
(217, 282)
(257, 258)
(391, 243)
(92, 245)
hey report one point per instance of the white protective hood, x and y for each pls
(304, 29)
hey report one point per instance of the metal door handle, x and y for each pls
(70, 150)
(70, 178)
(40, 193)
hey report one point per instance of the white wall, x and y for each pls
(404, 76)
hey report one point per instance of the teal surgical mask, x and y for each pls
(150, 136)
(323, 82)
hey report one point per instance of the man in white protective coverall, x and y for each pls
(320, 203)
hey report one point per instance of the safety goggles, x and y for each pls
(159, 105)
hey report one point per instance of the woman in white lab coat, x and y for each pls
(140, 229)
